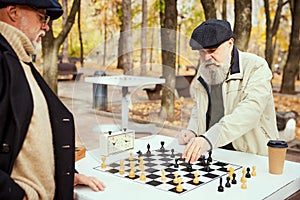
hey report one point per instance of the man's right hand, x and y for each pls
(185, 136)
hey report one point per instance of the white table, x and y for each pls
(262, 186)
(125, 81)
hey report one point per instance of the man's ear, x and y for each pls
(231, 41)
(12, 13)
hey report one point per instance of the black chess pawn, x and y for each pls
(209, 156)
(233, 181)
(227, 184)
(172, 153)
(148, 153)
(162, 148)
(220, 188)
(176, 163)
(248, 175)
(189, 167)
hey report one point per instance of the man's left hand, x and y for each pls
(92, 182)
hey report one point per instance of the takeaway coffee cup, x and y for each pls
(277, 151)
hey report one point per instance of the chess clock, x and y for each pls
(116, 142)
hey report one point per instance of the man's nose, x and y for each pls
(45, 27)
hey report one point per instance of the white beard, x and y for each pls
(38, 44)
(213, 72)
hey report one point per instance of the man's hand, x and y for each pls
(90, 181)
(185, 136)
(195, 148)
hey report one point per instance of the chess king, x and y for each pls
(234, 106)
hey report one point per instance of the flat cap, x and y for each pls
(52, 7)
(210, 34)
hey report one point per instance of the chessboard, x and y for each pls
(164, 168)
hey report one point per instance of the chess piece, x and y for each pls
(227, 184)
(122, 167)
(243, 178)
(172, 153)
(207, 168)
(175, 178)
(141, 161)
(139, 153)
(130, 156)
(231, 171)
(132, 170)
(103, 165)
(248, 175)
(220, 188)
(202, 160)
(162, 148)
(176, 163)
(244, 185)
(196, 179)
(233, 179)
(189, 167)
(142, 176)
(131, 174)
(179, 186)
(209, 156)
(148, 153)
(163, 176)
(253, 173)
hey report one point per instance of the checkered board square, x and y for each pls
(159, 160)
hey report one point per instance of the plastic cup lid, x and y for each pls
(277, 144)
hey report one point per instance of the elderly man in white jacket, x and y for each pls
(234, 106)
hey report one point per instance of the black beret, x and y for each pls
(52, 7)
(210, 34)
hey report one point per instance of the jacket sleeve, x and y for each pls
(9, 189)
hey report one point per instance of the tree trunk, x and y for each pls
(168, 42)
(105, 37)
(51, 46)
(242, 23)
(209, 9)
(224, 10)
(271, 30)
(125, 41)
(65, 47)
(80, 36)
(144, 38)
(292, 65)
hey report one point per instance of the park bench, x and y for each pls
(68, 69)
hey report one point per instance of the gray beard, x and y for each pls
(214, 73)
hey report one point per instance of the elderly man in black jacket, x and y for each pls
(37, 140)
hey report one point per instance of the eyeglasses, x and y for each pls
(44, 19)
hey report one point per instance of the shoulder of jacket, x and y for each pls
(252, 61)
